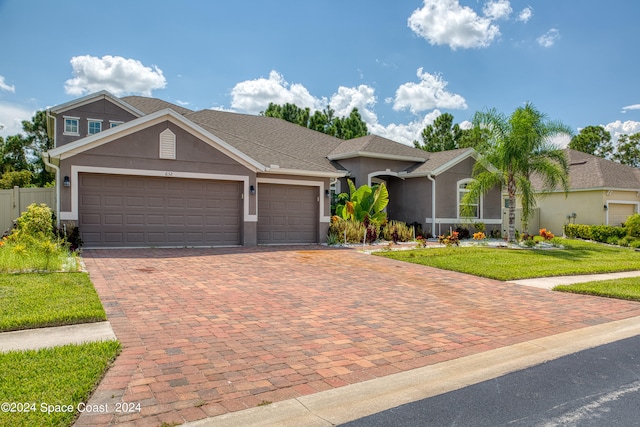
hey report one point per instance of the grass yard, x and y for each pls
(63, 376)
(627, 288)
(578, 257)
(34, 300)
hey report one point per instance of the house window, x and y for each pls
(167, 145)
(470, 210)
(95, 126)
(71, 126)
(113, 123)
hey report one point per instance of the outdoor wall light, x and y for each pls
(327, 193)
(606, 207)
(252, 189)
(66, 182)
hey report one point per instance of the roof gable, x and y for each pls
(375, 146)
(93, 98)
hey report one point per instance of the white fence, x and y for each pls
(14, 202)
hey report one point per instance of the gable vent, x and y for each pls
(167, 145)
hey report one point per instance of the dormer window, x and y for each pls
(94, 126)
(71, 126)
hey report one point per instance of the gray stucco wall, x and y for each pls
(361, 167)
(100, 110)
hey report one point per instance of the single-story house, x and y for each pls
(140, 172)
(602, 192)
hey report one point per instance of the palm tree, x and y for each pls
(519, 147)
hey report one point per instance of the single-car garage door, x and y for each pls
(124, 211)
(619, 212)
(287, 214)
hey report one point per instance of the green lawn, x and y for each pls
(628, 288)
(578, 257)
(33, 300)
(63, 376)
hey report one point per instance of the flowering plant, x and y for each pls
(479, 236)
(546, 235)
(449, 239)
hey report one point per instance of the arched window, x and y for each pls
(475, 206)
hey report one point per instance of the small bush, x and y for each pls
(626, 241)
(463, 233)
(397, 231)
(530, 243)
(613, 240)
(635, 244)
(546, 234)
(479, 236)
(600, 233)
(632, 225)
(538, 239)
(450, 239)
(578, 231)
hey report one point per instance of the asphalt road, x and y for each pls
(596, 387)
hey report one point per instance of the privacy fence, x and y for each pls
(14, 202)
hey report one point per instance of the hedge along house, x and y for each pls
(601, 192)
(141, 172)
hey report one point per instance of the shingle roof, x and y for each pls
(377, 145)
(151, 105)
(275, 142)
(590, 172)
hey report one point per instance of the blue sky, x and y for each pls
(402, 62)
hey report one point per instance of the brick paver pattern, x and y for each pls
(210, 331)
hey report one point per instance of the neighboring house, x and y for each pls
(138, 171)
(601, 192)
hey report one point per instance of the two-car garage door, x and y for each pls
(141, 211)
(129, 211)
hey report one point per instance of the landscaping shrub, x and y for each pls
(450, 239)
(626, 241)
(479, 236)
(354, 230)
(397, 231)
(463, 233)
(578, 231)
(632, 225)
(545, 234)
(601, 233)
(32, 244)
(635, 244)
(612, 240)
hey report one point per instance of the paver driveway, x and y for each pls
(209, 331)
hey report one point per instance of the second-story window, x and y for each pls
(71, 126)
(95, 126)
(113, 123)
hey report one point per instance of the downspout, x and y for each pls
(433, 204)
(45, 159)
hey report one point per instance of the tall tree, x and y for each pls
(592, 140)
(39, 142)
(442, 135)
(323, 121)
(628, 150)
(14, 153)
(519, 147)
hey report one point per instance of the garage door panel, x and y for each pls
(287, 214)
(619, 212)
(150, 211)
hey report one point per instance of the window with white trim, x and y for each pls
(71, 126)
(462, 191)
(167, 145)
(113, 123)
(94, 126)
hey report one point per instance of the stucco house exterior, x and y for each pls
(141, 172)
(602, 192)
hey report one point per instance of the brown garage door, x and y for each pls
(619, 212)
(287, 214)
(120, 210)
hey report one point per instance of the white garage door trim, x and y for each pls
(75, 170)
(319, 184)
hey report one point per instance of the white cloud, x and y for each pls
(525, 14)
(631, 107)
(446, 22)
(561, 140)
(254, 96)
(362, 97)
(618, 128)
(11, 117)
(116, 74)
(497, 9)
(430, 93)
(549, 38)
(404, 133)
(5, 86)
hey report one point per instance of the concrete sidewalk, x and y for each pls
(34, 339)
(551, 282)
